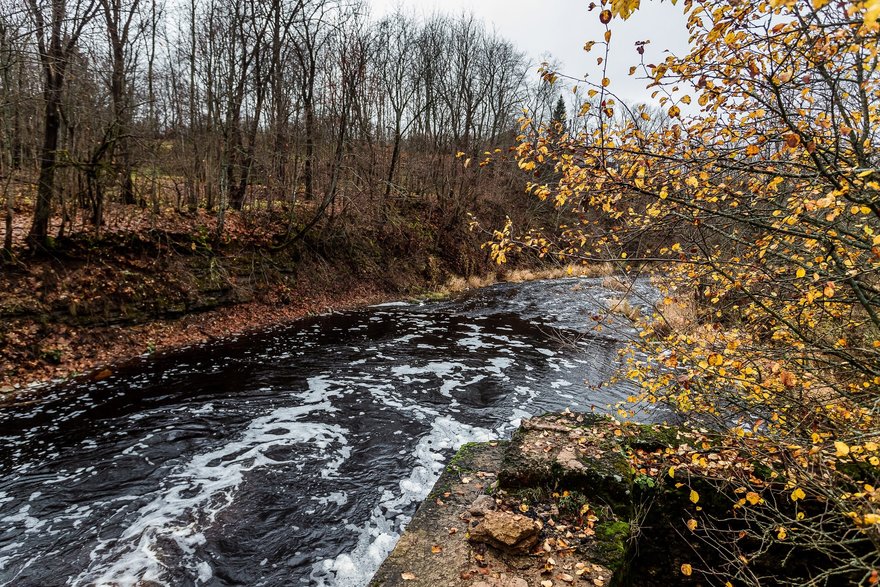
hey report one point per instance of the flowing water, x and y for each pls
(292, 457)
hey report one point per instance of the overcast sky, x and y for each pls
(561, 27)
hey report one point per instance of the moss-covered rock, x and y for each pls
(612, 540)
(570, 450)
(602, 522)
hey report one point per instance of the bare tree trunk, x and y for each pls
(56, 41)
(39, 233)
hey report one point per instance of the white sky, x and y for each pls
(561, 27)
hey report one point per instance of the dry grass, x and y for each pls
(676, 314)
(623, 307)
(457, 284)
(572, 270)
(616, 283)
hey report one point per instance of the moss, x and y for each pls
(432, 296)
(612, 542)
(650, 437)
(460, 462)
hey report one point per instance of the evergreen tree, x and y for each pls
(560, 114)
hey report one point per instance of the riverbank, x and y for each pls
(555, 505)
(96, 349)
(96, 303)
(582, 499)
(93, 301)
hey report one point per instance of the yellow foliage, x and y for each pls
(763, 206)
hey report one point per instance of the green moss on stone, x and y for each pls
(651, 437)
(612, 540)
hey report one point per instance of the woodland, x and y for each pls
(163, 159)
(288, 147)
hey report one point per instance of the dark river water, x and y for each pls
(295, 456)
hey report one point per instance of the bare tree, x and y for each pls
(57, 28)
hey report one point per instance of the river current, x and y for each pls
(295, 456)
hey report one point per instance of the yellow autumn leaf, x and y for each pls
(695, 497)
(692, 524)
(624, 8)
(801, 273)
(782, 533)
(687, 570)
(872, 12)
(842, 448)
(797, 494)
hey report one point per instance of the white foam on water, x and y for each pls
(195, 492)
(340, 498)
(444, 370)
(497, 365)
(378, 536)
(24, 519)
(391, 305)
(474, 343)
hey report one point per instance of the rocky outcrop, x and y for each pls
(577, 499)
(546, 508)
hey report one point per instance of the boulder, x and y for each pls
(507, 531)
(482, 505)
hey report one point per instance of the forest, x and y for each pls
(226, 145)
(234, 105)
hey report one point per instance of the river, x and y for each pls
(291, 457)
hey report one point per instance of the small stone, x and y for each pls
(507, 531)
(481, 505)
